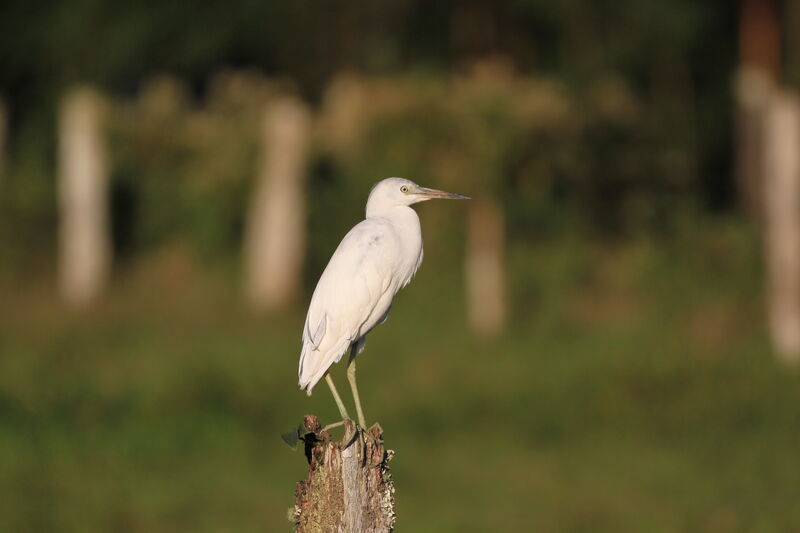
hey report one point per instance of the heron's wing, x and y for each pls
(357, 283)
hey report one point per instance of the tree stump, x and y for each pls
(349, 488)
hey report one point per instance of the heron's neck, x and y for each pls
(400, 215)
(407, 228)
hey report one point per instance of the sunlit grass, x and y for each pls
(634, 392)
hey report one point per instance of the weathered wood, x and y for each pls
(349, 488)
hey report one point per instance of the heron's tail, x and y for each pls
(314, 363)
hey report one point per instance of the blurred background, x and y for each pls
(604, 339)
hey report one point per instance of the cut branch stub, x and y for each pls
(349, 488)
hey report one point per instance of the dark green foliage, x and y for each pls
(647, 132)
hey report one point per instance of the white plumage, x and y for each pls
(376, 259)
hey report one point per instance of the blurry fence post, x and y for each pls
(485, 274)
(3, 136)
(341, 119)
(782, 217)
(275, 234)
(84, 240)
(759, 64)
(752, 95)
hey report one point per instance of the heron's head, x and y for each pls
(400, 191)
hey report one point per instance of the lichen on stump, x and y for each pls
(349, 488)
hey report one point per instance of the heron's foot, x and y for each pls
(342, 422)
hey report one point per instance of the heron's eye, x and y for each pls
(404, 189)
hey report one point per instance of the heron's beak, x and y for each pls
(424, 193)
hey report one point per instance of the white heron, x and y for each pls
(376, 259)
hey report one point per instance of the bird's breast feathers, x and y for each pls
(355, 292)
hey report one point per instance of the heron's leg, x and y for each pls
(334, 425)
(339, 403)
(351, 377)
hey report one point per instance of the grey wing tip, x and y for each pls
(306, 387)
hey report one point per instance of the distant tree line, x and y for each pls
(675, 57)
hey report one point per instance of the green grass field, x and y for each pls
(634, 392)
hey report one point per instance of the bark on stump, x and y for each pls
(349, 488)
